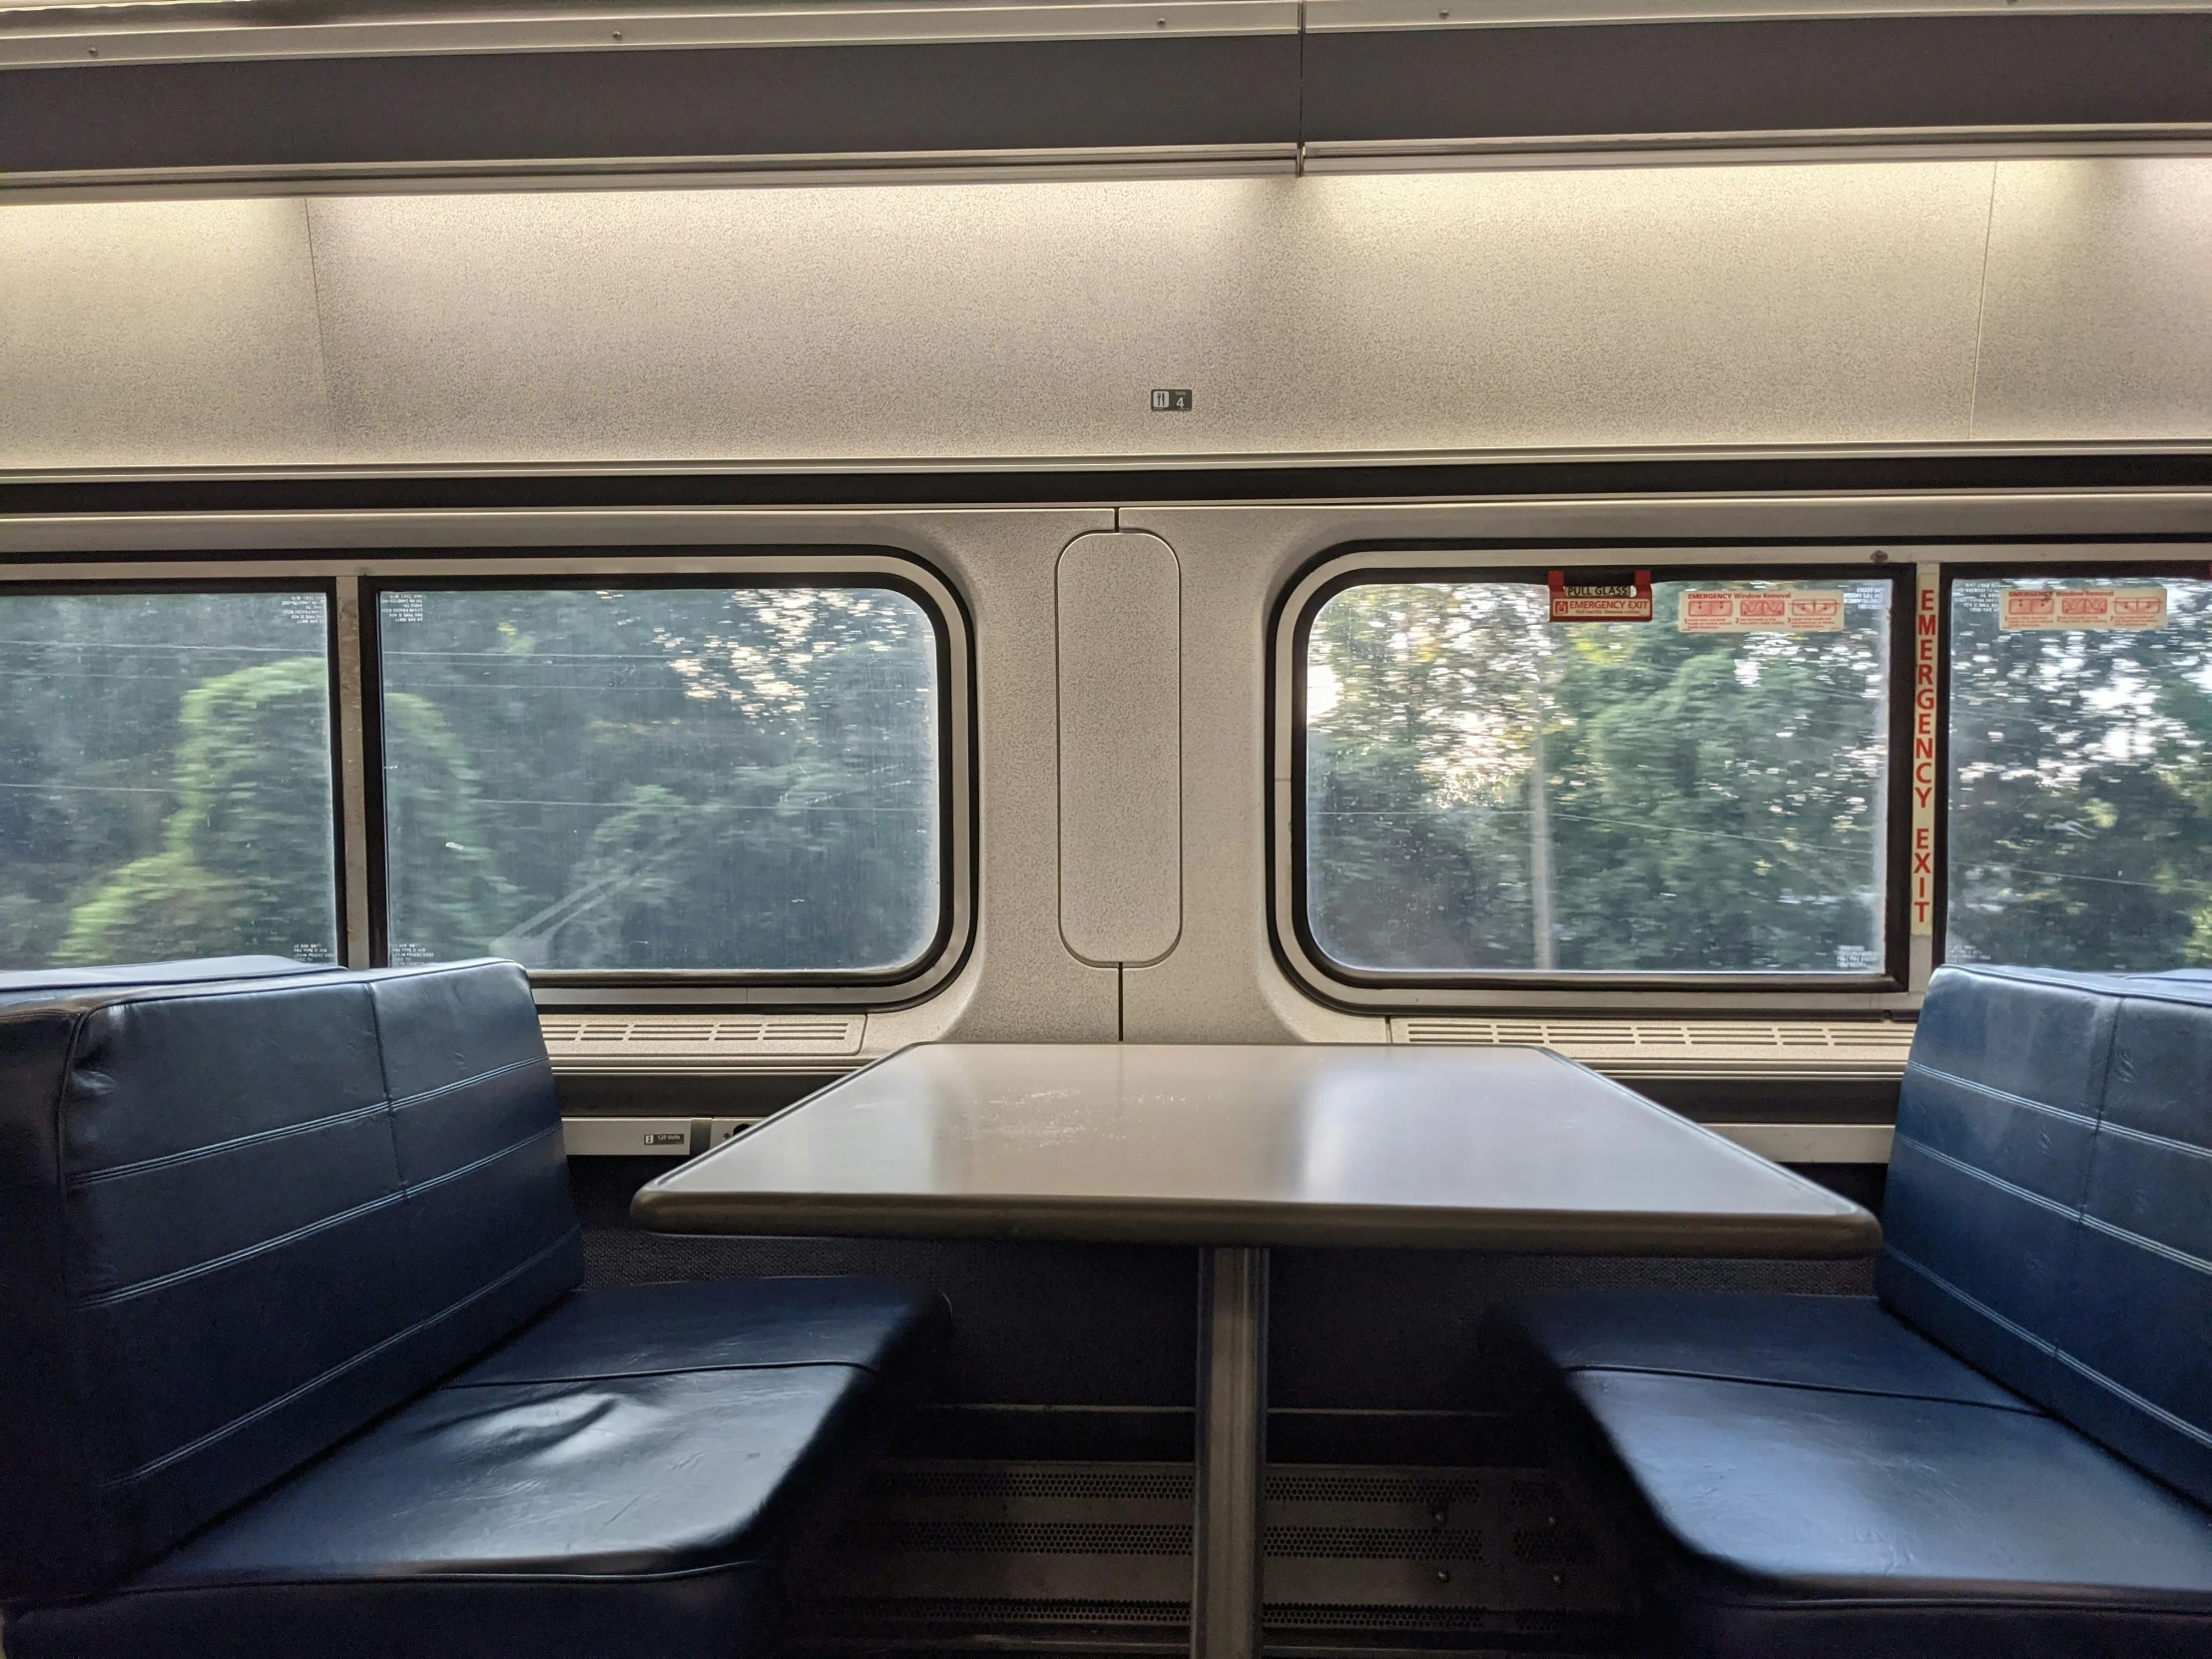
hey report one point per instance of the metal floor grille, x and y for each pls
(947, 1554)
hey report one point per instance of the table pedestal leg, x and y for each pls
(1232, 1452)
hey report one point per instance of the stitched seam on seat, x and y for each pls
(407, 1190)
(339, 1370)
(2163, 1142)
(2026, 1335)
(2109, 1229)
(2180, 1426)
(200, 1269)
(473, 1166)
(405, 1101)
(215, 1149)
(2023, 1408)
(2004, 1097)
(668, 1370)
(2180, 1257)
(80, 1517)
(2036, 1198)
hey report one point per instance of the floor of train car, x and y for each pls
(1040, 1503)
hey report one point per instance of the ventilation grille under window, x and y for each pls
(1688, 1049)
(677, 1042)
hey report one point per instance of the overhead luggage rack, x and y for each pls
(251, 96)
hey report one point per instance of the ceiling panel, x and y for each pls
(173, 333)
(2099, 313)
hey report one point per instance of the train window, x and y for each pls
(1485, 790)
(664, 779)
(166, 778)
(2080, 821)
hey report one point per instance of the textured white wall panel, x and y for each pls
(2099, 311)
(1452, 312)
(159, 334)
(1436, 313)
(1694, 305)
(838, 324)
(1121, 716)
(1020, 983)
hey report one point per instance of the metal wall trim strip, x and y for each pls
(57, 44)
(1780, 147)
(1108, 467)
(916, 167)
(353, 777)
(1339, 16)
(653, 30)
(1812, 1143)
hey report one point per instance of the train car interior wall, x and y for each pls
(751, 757)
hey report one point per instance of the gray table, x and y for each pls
(1236, 1149)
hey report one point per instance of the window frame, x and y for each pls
(1371, 991)
(348, 574)
(796, 570)
(94, 586)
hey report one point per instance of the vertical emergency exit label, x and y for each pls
(1928, 623)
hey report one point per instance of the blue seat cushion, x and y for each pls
(1794, 1523)
(1807, 1475)
(241, 1216)
(625, 1476)
(704, 1323)
(1844, 1343)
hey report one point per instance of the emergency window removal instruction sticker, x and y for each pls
(1769, 610)
(2033, 609)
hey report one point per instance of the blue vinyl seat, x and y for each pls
(2008, 1449)
(297, 1361)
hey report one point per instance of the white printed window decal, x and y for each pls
(1762, 611)
(2053, 609)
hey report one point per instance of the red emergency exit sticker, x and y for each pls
(1601, 599)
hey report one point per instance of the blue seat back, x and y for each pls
(2050, 1208)
(45, 984)
(240, 1217)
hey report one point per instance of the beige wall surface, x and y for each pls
(1860, 303)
